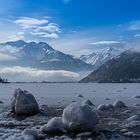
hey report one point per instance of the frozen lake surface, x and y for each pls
(65, 93)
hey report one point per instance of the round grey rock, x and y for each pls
(102, 107)
(79, 117)
(119, 104)
(55, 125)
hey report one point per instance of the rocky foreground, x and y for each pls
(26, 120)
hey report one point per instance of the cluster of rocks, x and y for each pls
(75, 118)
(116, 104)
(131, 126)
(78, 118)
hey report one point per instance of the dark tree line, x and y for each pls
(3, 80)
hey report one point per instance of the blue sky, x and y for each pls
(72, 26)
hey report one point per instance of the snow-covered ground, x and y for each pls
(54, 97)
(65, 93)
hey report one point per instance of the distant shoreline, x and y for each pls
(69, 82)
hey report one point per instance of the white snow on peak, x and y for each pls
(99, 58)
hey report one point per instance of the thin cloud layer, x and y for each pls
(28, 23)
(134, 25)
(18, 36)
(7, 49)
(6, 57)
(6, 52)
(39, 27)
(32, 74)
(104, 42)
(137, 35)
(66, 1)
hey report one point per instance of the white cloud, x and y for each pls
(51, 27)
(137, 35)
(20, 33)
(6, 57)
(38, 33)
(18, 73)
(6, 49)
(18, 36)
(134, 25)
(67, 1)
(74, 45)
(27, 22)
(7, 53)
(51, 35)
(45, 35)
(104, 42)
(39, 27)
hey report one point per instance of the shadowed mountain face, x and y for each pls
(41, 55)
(124, 68)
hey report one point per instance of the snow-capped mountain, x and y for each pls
(41, 55)
(99, 58)
(124, 68)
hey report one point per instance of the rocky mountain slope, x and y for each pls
(124, 68)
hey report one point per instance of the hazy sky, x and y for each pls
(72, 26)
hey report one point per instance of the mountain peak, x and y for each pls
(40, 45)
(99, 58)
(17, 43)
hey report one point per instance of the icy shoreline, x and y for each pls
(53, 98)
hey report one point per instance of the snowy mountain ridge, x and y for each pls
(41, 55)
(99, 58)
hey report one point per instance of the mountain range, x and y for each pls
(41, 55)
(124, 68)
(109, 65)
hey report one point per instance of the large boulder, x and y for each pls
(24, 103)
(79, 117)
